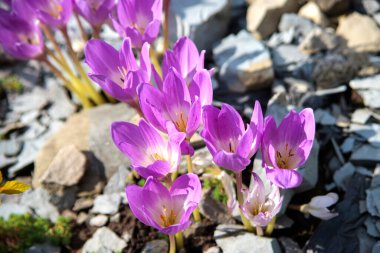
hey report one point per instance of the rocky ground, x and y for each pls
(288, 54)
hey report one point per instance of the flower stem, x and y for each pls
(98, 99)
(85, 102)
(155, 61)
(270, 227)
(239, 185)
(96, 32)
(82, 31)
(259, 231)
(196, 215)
(172, 244)
(179, 240)
(166, 24)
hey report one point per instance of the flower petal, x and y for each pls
(284, 178)
(231, 161)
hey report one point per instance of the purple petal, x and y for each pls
(151, 103)
(127, 58)
(231, 161)
(189, 185)
(186, 148)
(136, 38)
(284, 178)
(136, 202)
(145, 63)
(151, 31)
(187, 55)
(270, 133)
(175, 228)
(230, 124)
(150, 136)
(194, 118)
(100, 57)
(201, 86)
(158, 169)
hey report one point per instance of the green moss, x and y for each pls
(20, 232)
(11, 84)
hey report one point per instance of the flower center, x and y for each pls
(123, 72)
(167, 217)
(181, 123)
(32, 39)
(157, 157)
(283, 159)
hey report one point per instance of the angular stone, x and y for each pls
(156, 246)
(376, 248)
(343, 175)
(263, 16)
(10, 147)
(368, 90)
(7, 209)
(361, 116)
(373, 201)
(319, 40)
(106, 204)
(39, 200)
(62, 107)
(366, 155)
(214, 210)
(370, 224)
(370, 133)
(6, 161)
(323, 117)
(98, 220)
(117, 182)
(367, 6)
(243, 62)
(233, 238)
(35, 100)
(29, 117)
(26, 157)
(213, 249)
(366, 242)
(289, 245)
(104, 240)
(43, 248)
(333, 7)
(67, 167)
(361, 32)
(312, 12)
(83, 203)
(195, 18)
(88, 130)
(309, 170)
(300, 25)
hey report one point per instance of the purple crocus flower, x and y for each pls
(138, 20)
(150, 154)
(96, 12)
(172, 103)
(167, 210)
(286, 147)
(118, 72)
(54, 13)
(260, 206)
(20, 38)
(231, 144)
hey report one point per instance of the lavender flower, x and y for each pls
(260, 206)
(54, 13)
(118, 72)
(286, 147)
(138, 20)
(167, 210)
(230, 143)
(96, 12)
(174, 104)
(150, 154)
(318, 206)
(20, 38)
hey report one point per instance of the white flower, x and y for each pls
(318, 206)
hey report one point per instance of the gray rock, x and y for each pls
(372, 230)
(300, 25)
(213, 249)
(6, 161)
(35, 100)
(376, 248)
(289, 245)
(156, 246)
(324, 117)
(10, 147)
(100, 141)
(117, 182)
(26, 157)
(263, 16)
(367, 6)
(373, 201)
(29, 74)
(195, 18)
(98, 220)
(106, 204)
(39, 200)
(104, 240)
(366, 154)
(366, 242)
(67, 167)
(43, 248)
(309, 170)
(333, 7)
(361, 116)
(368, 90)
(214, 210)
(348, 145)
(234, 239)
(370, 133)
(62, 107)
(343, 175)
(361, 32)
(35, 130)
(375, 182)
(243, 62)
(29, 117)
(281, 38)
(319, 40)
(83, 203)
(12, 208)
